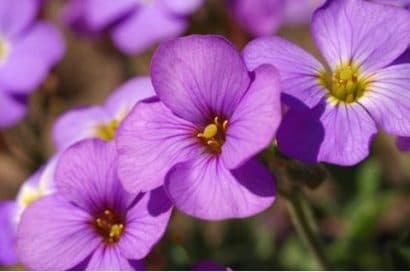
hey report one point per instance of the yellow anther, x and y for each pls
(346, 73)
(225, 125)
(210, 131)
(116, 231)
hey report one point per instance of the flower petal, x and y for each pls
(181, 7)
(55, 235)
(388, 99)
(146, 223)
(16, 16)
(254, 123)
(339, 134)
(298, 69)
(150, 141)
(127, 95)
(370, 34)
(108, 259)
(403, 143)
(31, 58)
(7, 233)
(78, 124)
(199, 77)
(12, 109)
(206, 189)
(86, 174)
(150, 24)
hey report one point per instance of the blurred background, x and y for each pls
(362, 212)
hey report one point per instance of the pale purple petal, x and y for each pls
(126, 96)
(12, 109)
(254, 123)
(74, 15)
(301, 11)
(7, 233)
(206, 189)
(31, 58)
(150, 141)
(16, 16)
(108, 258)
(146, 223)
(371, 35)
(259, 18)
(339, 134)
(184, 7)
(86, 174)
(199, 77)
(55, 235)
(299, 71)
(403, 143)
(78, 124)
(388, 99)
(145, 27)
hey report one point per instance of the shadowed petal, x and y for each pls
(11, 109)
(7, 233)
(55, 235)
(16, 16)
(298, 69)
(256, 119)
(205, 189)
(199, 77)
(86, 174)
(181, 7)
(146, 224)
(372, 35)
(403, 143)
(150, 141)
(388, 99)
(108, 259)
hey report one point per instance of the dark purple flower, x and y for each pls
(403, 143)
(264, 17)
(335, 113)
(28, 50)
(101, 121)
(134, 25)
(91, 222)
(213, 117)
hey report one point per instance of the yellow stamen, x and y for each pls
(116, 231)
(210, 131)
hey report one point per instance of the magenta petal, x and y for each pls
(150, 24)
(199, 76)
(55, 235)
(388, 99)
(16, 16)
(150, 141)
(370, 34)
(11, 109)
(298, 69)
(403, 143)
(206, 189)
(259, 113)
(146, 223)
(7, 233)
(86, 174)
(108, 258)
(181, 7)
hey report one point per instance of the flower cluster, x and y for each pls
(189, 135)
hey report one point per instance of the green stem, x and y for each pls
(305, 228)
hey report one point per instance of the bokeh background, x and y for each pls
(362, 212)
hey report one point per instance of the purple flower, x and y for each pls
(213, 117)
(134, 25)
(403, 143)
(335, 113)
(101, 121)
(28, 50)
(91, 222)
(264, 17)
(38, 185)
(397, 3)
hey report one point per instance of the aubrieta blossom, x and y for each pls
(264, 17)
(335, 112)
(40, 184)
(91, 222)
(199, 139)
(28, 50)
(134, 25)
(101, 121)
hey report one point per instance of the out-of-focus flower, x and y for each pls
(403, 143)
(101, 121)
(134, 25)
(264, 17)
(28, 50)
(213, 117)
(91, 222)
(334, 114)
(38, 185)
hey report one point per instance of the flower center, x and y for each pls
(4, 50)
(107, 131)
(213, 135)
(110, 226)
(347, 84)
